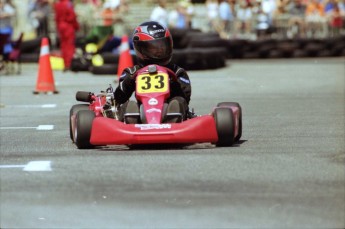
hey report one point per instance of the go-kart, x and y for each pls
(98, 122)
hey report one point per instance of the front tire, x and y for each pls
(224, 125)
(83, 129)
(234, 104)
(73, 111)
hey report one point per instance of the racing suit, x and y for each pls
(67, 25)
(181, 89)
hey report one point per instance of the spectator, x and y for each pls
(113, 15)
(269, 7)
(280, 9)
(280, 18)
(160, 13)
(262, 22)
(341, 4)
(190, 12)
(330, 5)
(108, 13)
(225, 17)
(120, 12)
(7, 16)
(179, 18)
(335, 20)
(67, 25)
(315, 19)
(212, 8)
(244, 18)
(86, 13)
(39, 16)
(14, 18)
(297, 27)
(97, 3)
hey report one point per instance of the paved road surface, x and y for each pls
(287, 172)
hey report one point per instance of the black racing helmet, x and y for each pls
(152, 43)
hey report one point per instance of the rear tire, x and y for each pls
(73, 111)
(234, 104)
(83, 129)
(224, 125)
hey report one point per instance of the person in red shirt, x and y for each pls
(67, 25)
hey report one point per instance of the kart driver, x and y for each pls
(153, 44)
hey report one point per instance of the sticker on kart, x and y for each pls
(152, 126)
(152, 83)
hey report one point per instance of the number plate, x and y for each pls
(152, 83)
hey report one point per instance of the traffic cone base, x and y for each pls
(45, 92)
(45, 79)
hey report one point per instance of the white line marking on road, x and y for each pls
(40, 127)
(31, 106)
(45, 127)
(48, 106)
(11, 166)
(16, 127)
(32, 166)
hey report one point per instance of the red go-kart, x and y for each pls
(92, 125)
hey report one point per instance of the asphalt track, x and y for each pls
(287, 172)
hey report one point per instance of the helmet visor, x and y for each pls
(156, 49)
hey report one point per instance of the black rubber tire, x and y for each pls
(342, 53)
(214, 57)
(110, 58)
(105, 69)
(287, 48)
(31, 46)
(338, 49)
(265, 50)
(83, 129)
(325, 53)
(193, 59)
(83, 96)
(80, 64)
(236, 48)
(227, 104)
(200, 58)
(313, 48)
(225, 126)
(29, 57)
(300, 53)
(179, 57)
(178, 36)
(187, 37)
(251, 55)
(206, 42)
(74, 110)
(275, 53)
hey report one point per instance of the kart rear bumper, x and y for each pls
(107, 131)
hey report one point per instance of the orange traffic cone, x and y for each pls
(45, 78)
(125, 59)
